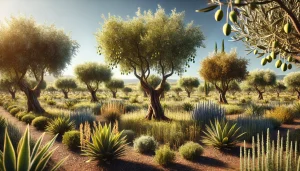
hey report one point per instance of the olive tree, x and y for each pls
(31, 50)
(260, 80)
(92, 75)
(65, 85)
(6, 84)
(127, 90)
(221, 68)
(188, 84)
(177, 90)
(113, 85)
(154, 81)
(150, 42)
(292, 81)
(246, 87)
(279, 87)
(266, 27)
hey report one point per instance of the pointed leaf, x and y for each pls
(23, 162)
(207, 9)
(9, 155)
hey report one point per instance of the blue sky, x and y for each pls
(82, 18)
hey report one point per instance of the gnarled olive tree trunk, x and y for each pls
(13, 94)
(94, 96)
(155, 109)
(33, 103)
(222, 97)
(260, 93)
(114, 94)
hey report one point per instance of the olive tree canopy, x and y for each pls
(150, 42)
(92, 75)
(261, 23)
(292, 81)
(29, 49)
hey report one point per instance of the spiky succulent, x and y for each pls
(221, 134)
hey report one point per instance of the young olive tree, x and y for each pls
(188, 84)
(279, 87)
(127, 90)
(65, 85)
(177, 90)
(113, 85)
(31, 50)
(92, 75)
(246, 87)
(266, 27)
(292, 81)
(221, 68)
(150, 42)
(260, 80)
(6, 84)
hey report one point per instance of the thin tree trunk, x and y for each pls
(13, 94)
(114, 94)
(33, 103)
(188, 94)
(94, 96)
(260, 96)
(277, 94)
(65, 94)
(155, 109)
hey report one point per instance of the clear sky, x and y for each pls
(82, 18)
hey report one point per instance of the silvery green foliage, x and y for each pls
(207, 111)
(82, 116)
(268, 155)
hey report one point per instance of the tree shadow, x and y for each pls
(209, 161)
(120, 165)
(234, 151)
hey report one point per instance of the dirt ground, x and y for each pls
(211, 160)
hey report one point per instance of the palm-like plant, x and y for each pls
(60, 125)
(27, 159)
(106, 145)
(221, 134)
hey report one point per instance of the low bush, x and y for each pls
(112, 111)
(20, 115)
(145, 144)
(95, 107)
(51, 102)
(60, 125)
(254, 110)
(164, 155)
(281, 114)
(28, 118)
(233, 109)
(190, 150)
(14, 111)
(72, 139)
(40, 122)
(11, 107)
(129, 135)
(187, 107)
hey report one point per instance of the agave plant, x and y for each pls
(60, 125)
(106, 145)
(221, 134)
(26, 158)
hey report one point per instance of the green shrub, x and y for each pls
(129, 135)
(254, 110)
(40, 122)
(60, 125)
(296, 109)
(164, 155)
(133, 99)
(28, 118)
(131, 107)
(221, 134)
(20, 115)
(14, 111)
(190, 150)
(51, 102)
(233, 109)
(145, 144)
(281, 114)
(188, 107)
(11, 107)
(72, 139)
(105, 146)
(26, 158)
(243, 101)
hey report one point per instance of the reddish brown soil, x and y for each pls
(212, 159)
